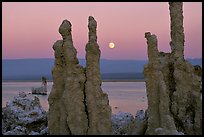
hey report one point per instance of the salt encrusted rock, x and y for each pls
(186, 103)
(18, 130)
(42, 89)
(123, 123)
(177, 30)
(173, 84)
(99, 110)
(39, 90)
(158, 99)
(162, 131)
(67, 114)
(77, 104)
(23, 116)
(140, 123)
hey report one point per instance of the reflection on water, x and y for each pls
(123, 96)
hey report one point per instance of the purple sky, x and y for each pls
(30, 29)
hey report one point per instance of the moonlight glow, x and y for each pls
(111, 45)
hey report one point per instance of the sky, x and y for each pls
(29, 29)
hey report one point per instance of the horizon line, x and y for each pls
(85, 59)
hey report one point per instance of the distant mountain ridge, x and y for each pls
(34, 69)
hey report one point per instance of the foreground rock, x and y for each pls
(24, 116)
(140, 123)
(77, 105)
(123, 123)
(126, 124)
(173, 84)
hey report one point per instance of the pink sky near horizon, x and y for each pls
(29, 29)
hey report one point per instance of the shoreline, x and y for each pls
(123, 80)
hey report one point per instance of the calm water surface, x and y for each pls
(123, 96)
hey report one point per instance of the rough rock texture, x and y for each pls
(67, 113)
(77, 105)
(140, 123)
(99, 111)
(39, 90)
(173, 85)
(24, 116)
(123, 123)
(198, 70)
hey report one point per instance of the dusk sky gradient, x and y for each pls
(29, 29)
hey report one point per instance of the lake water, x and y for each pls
(123, 96)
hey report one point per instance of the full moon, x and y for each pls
(111, 45)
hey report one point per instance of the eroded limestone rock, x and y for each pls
(173, 85)
(66, 101)
(77, 104)
(156, 73)
(99, 110)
